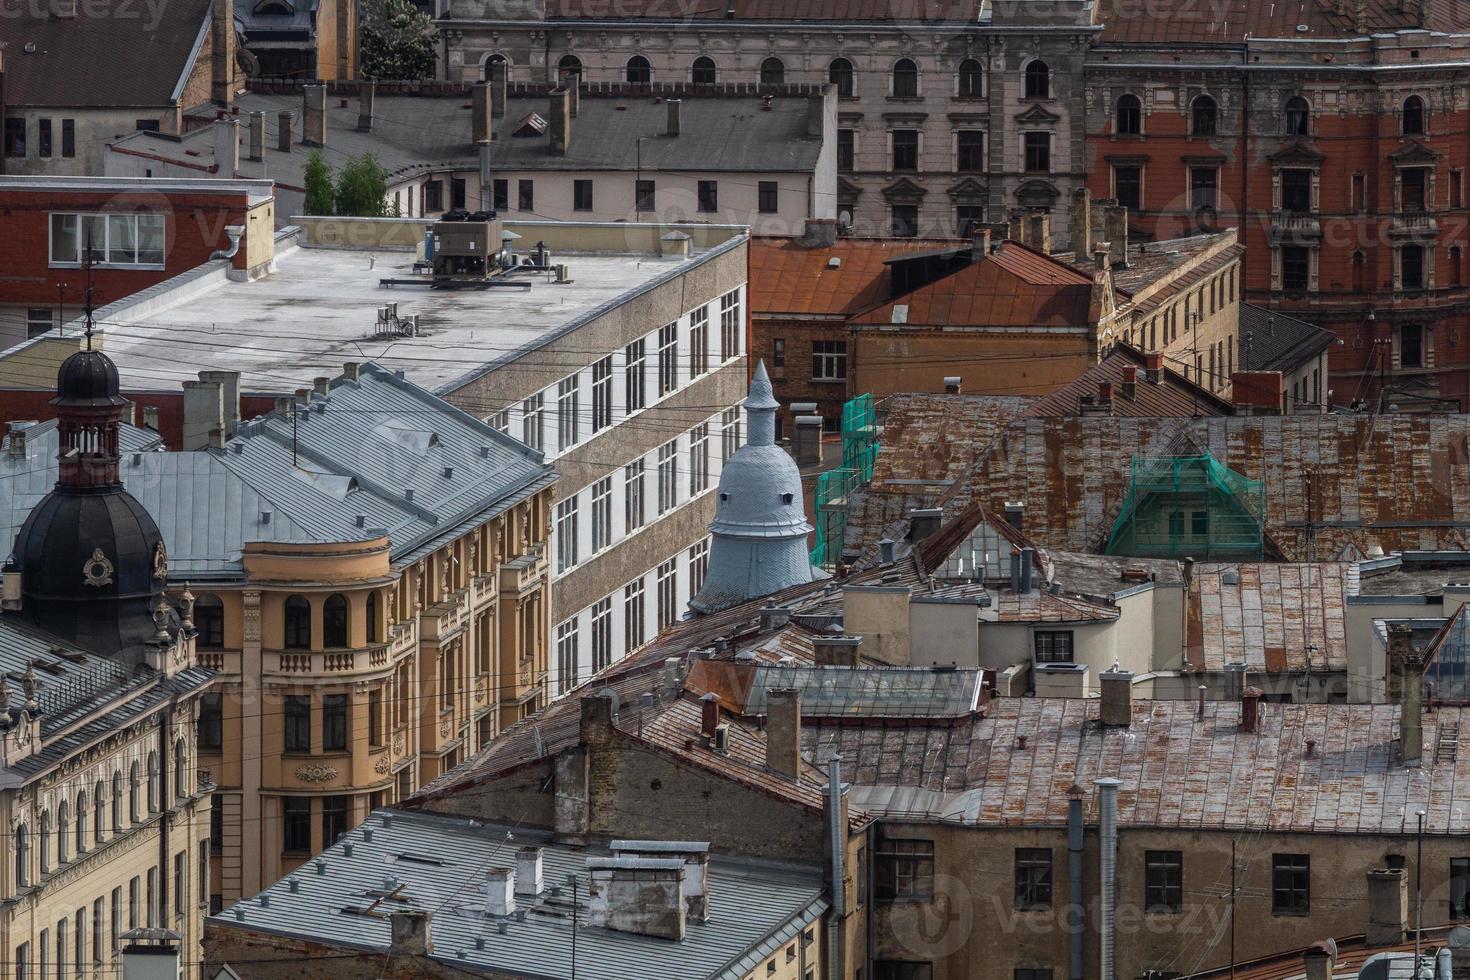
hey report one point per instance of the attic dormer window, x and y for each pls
(786, 498)
(275, 8)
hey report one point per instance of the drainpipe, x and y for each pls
(1107, 805)
(835, 955)
(235, 232)
(1076, 927)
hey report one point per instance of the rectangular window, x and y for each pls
(334, 819)
(904, 221)
(525, 195)
(1163, 882)
(601, 514)
(1296, 191)
(1460, 888)
(568, 392)
(1033, 878)
(68, 137)
(968, 218)
(699, 342)
(1053, 646)
(211, 732)
(668, 482)
(1128, 187)
(767, 197)
(1457, 189)
(135, 902)
(667, 589)
(43, 137)
(500, 193)
(633, 616)
(729, 433)
(643, 194)
(1031, 973)
(969, 151)
(38, 321)
(905, 149)
(634, 376)
(602, 372)
(1291, 884)
(581, 195)
(113, 239)
(633, 507)
(1411, 266)
(23, 961)
(181, 883)
(732, 325)
(698, 565)
(778, 352)
(298, 723)
(532, 410)
(902, 970)
(846, 149)
(1038, 152)
(1204, 187)
(61, 944)
(1411, 346)
(115, 914)
(457, 193)
(15, 137)
(1414, 183)
(829, 360)
(566, 656)
(566, 534)
(699, 459)
(668, 365)
(334, 722)
(296, 824)
(903, 870)
(601, 633)
(433, 196)
(709, 196)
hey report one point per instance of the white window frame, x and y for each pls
(533, 421)
(109, 221)
(568, 395)
(668, 359)
(602, 527)
(602, 394)
(699, 342)
(635, 376)
(732, 323)
(699, 459)
(602, 633)
(635, 500)
(668, 477)
(567, 550)
(567, 640)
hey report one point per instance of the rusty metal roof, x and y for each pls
(1233, 21)
(1352, 953)
(791, 279)
(1171, 395)
(1178, 771)
(1039, 606)
(1273, 617)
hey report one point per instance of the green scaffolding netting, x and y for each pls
(1189, 506)
(835, 487)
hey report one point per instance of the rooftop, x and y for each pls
(1270, 341)
(1235, 21)
(400, 861)
(848, 277)
(1167, 394)
(1274, 617)
(320, 306)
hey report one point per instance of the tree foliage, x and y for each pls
(397, 41)
(319, 193)
(362, 188)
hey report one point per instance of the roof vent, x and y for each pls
(835, 262)
(408, 494)
(484, 452)
(321, 867)
(449, 472)
(265, 517)
(362, 522)
(293, 886)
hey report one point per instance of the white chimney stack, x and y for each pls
(500, 885)
(528, 880)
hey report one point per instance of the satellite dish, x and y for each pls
(844, 219)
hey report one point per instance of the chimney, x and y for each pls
(923, 522)
(1250, 710)
(1130, 383)
(1115, 229)
(351, 370)
(150, 417)
(257, 136)
(818, 233)
(498, 78)
(1036, 230)
(571, 80)
(1360, 16)
(1117, 697)
(229, 382)
(886, 551)
(482, 126)
(808, 440)
(1082, 231)
(979, 243)
(709, 714)
(366, 95)
(1016, 514)
(314, 115)
(528, 871)
(1427, 19)
(1317, 962)
(1388, 907)
(953, 384)
(1028, 562)
(204, 413)
(410, 933)
(783, 732)
(500, 891)
(222, 53)
(774, 617)
(836, 651)
(561, 122)
(694, 854)
(226, 148)
(321, 385)
(283, 131)
(676, 117)
(1411, 711)
(638, 895)
(1153, 367)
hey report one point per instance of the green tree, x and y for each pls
(397, 42)
(318, 185)
(362, 188)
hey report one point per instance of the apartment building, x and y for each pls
(948, 114)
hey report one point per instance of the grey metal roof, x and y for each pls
(756, 908)
(1270, 341)
(358, 450)
(873, 692)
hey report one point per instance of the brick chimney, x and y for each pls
(694, 854)
(314, 115)
(979, 243)
(222, 52)
(497, 88)
(1317, 962)
(1115, 229)
(257, 136)
(482, 126)
(1082, 230)
(1130, 383)
(1250, 710)
(1153, 367)
(571, 80)
(808, 440)
(676, 117)
(226, 148)
(1388, 907)
(1117, 697)
(410, 933)
(366, 95)
(561, 122)
(283, 131)
(639, 895)
(836, 651)
(1032, 228)
(709, 714)
(783, 732)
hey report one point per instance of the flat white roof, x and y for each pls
(319, 308)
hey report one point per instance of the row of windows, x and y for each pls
(1296, 116)
(17, 143)
(584, 195)
(106, 239)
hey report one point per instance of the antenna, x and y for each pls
(87, 267)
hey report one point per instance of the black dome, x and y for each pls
(90, 565)
(88, 377)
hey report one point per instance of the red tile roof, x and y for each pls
(1232, 21)
(787, 277)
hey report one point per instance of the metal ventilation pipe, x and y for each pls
(1107, 805)
(1076, 926)
(837, 827)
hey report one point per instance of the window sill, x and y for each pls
(117, 266)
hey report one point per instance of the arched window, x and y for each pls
(81, 847)
(1298, 117)
(209, 619)
(494, 59)
(334, 621)
(181, 769)
(1038, 80)
(773, 72)
(374, 631)
(1130, 116)
(640, 72)
(44, 840)
(704, 71)
(116, 801)
(134, 793)
(153, 782)
(569, 64)
(839, 73)
(1204, 117)
(905, 79)
(63, 831)
(22, 856)
(971, 80)
(298, 623)
(1414, 116)
(99, 804)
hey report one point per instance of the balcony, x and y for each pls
(1294, 227)
(309, 665)
(1414, 226)
(524, 572)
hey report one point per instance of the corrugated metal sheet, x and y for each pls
(1273, 617)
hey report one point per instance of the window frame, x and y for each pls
(1033, 879)
(1291, 884)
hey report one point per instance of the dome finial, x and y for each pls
(760, 409)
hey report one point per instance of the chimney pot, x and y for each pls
(366, 95)
(561, 122)
(709, 714)
(283, 131)
(1250, 709)
(1388, 907)
(314, 115)
(1117, 697)
(783, 732)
